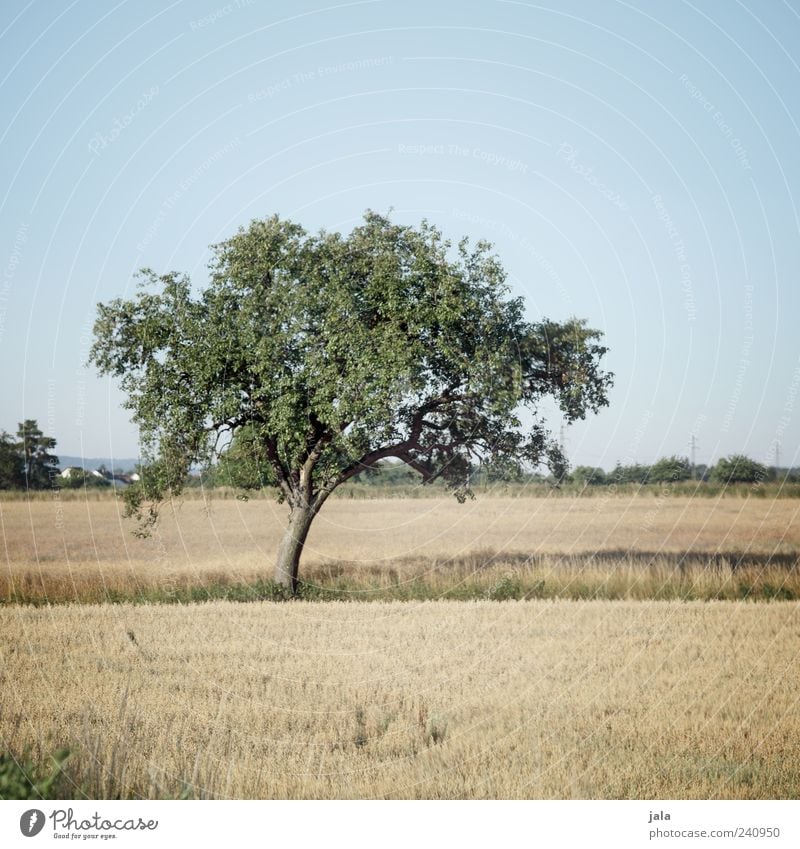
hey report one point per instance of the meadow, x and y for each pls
(543, 648)
(82, 550)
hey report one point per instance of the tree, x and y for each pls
(670, 469)
(737, 468)
(339, 352)
(630, 474)
(588, 476)
(38, 466)
(12, 475)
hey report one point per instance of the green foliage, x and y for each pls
(22, 778)
(588, 476)
(324, 355)
(506, 588)
(629, 474)
(737, 468)
(387, 473)
(244, 464)
(25, 463)
(39, 466)
(12, 472)
(670, 470)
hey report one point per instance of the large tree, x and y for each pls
(338, 352)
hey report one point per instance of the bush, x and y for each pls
(738, 469)
(588, 476)
(630, 474)
(23, 779)
(670, 469)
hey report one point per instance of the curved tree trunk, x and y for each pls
(291, 546)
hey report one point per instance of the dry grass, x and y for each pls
(432, 700)
(631, 547)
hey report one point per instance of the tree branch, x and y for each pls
(281, 472)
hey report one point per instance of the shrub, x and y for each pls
(23, 779)
(670, 469)
(738, 469)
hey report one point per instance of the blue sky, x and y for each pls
(636, 164)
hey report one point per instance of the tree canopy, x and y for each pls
(338, 352)
(670, 470)
(738, 468)
(12, 475)
(26, 462)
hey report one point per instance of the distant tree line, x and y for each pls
(736, 468)
(26, 462)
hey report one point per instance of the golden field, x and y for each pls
(624, 547)
(561, 695)
(432, 700)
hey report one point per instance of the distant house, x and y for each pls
(122, 479)
(117, 480)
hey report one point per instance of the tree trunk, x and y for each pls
(291, 546)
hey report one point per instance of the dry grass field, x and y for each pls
(562, 695)
(624, 547)
(433, 700)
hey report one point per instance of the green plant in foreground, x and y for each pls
(24, 779)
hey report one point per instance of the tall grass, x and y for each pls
(478, 575)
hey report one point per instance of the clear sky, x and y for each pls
(637, 164)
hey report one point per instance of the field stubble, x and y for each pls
(632, 547)
(433, 700)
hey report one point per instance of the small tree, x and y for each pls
(737, 468)
(337, 353)
(39, 467)
(588, 476)
(12, 472)
(635, 473)
(670, 469)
